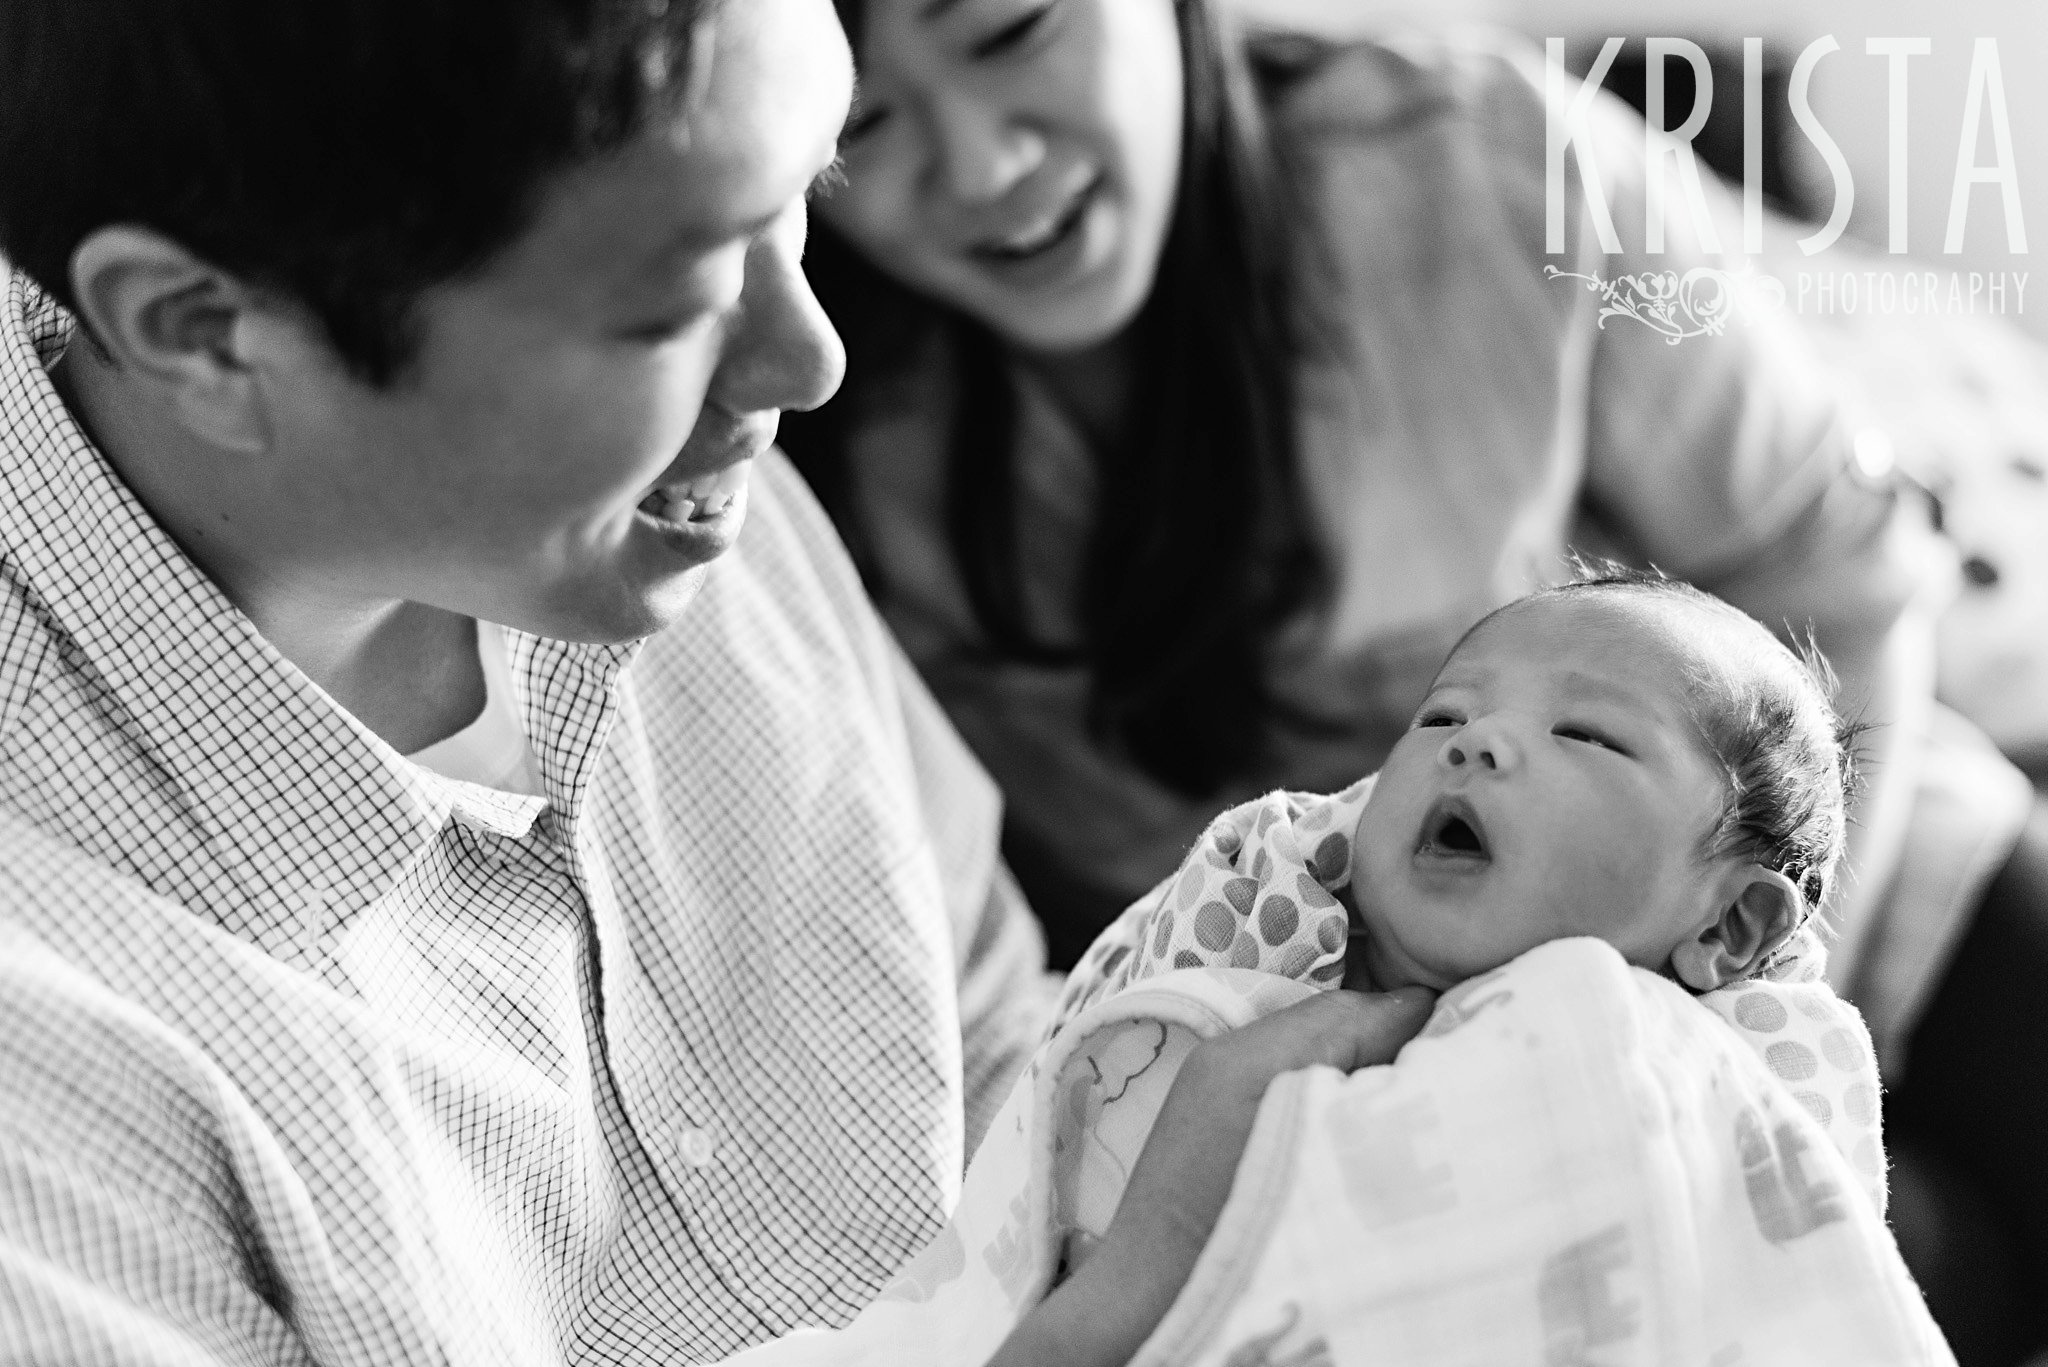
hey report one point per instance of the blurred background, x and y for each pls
(1959, 402)
(1850, 92)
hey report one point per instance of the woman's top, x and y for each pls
(1466, 415)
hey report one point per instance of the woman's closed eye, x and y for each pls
(1438, 718)
(1587, 735)
(1013, 33)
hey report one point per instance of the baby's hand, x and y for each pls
(1190, 1159)
(1107, 1309)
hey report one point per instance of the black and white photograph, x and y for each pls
(1023, 683)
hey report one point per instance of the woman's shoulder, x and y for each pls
(1419, 157)
(1474, 82)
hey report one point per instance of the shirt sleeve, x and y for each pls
(1005, 996)
(1006, 1002)
(117, 1240)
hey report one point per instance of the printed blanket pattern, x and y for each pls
(1573, 1165)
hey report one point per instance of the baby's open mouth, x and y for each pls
(1451, 830)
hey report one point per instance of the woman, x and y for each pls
(1201, 393)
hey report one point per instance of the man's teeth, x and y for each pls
(699, 500)
(668, 506)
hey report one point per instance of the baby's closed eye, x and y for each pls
(1589, 736)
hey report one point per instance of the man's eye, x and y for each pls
(1010, 34)
(662, 331)
(657, 334)
(862, 122)
(1587, 736)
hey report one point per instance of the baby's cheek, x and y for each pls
(1615, 904)
(1360, 833)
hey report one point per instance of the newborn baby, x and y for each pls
(1622, 757)
(1575, 1154)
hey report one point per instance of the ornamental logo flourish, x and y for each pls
(1698, 303)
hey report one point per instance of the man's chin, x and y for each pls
(659, 607)
(668, 605)
(620, 617)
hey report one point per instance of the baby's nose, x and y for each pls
(1479, 745)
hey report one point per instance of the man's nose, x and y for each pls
(783, 352)
(1483, 744)
(983, 152)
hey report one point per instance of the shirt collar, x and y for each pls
(302, 805)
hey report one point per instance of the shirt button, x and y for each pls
(315, 902)
(695, 1146)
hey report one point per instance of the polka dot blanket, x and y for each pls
(1575, 1162)
(1259, 890)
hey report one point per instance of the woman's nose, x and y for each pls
(983, 151)
(1480, 744)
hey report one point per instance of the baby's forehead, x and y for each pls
(1603, 624)
(1678, 657)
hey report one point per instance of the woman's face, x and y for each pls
(1017, 158)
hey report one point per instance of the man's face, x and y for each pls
(1553, 784)
(572, 444)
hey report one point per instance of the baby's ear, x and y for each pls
(1757, 908)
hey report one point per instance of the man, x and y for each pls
(382, 984)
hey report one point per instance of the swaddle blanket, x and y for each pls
(1576, 1164)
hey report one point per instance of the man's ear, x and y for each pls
(1756, 909)
(174, 325)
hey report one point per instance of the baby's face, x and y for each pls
(1552, 784)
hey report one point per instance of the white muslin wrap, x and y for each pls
(1575, 1164)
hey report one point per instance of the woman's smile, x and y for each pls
(1032, 230)
(1055, 252)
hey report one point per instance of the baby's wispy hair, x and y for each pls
(1770, 723)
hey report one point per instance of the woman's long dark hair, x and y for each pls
(1201, 547)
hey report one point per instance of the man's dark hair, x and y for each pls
(346, 153)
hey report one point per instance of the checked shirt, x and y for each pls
(309, 1054)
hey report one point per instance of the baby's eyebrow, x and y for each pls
(1446, 681)
(1602, 689)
